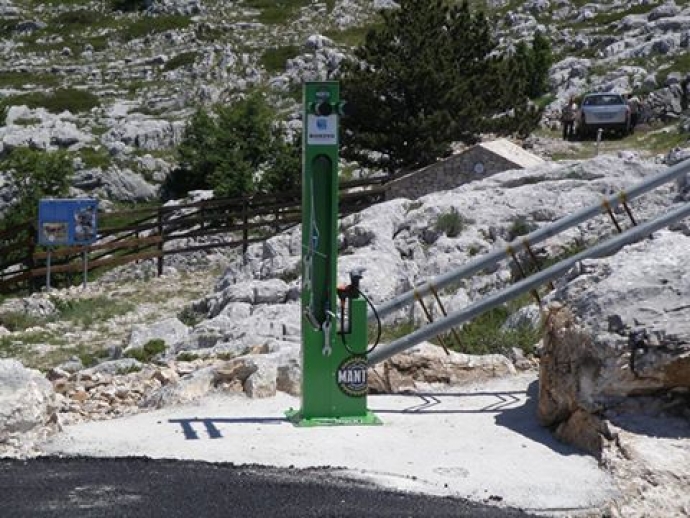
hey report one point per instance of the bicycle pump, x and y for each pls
(334, 364)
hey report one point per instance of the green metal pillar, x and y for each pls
(334, 365)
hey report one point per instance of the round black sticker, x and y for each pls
(352, 376)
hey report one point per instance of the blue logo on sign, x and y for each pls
(322, 123)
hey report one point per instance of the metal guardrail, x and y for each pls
(526, 241)
(461, 316)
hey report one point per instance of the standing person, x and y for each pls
(568, 118)
(634, 104)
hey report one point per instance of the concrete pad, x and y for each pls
(480, 442)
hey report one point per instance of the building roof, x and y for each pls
(512, 152)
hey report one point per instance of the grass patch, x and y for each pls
(77, 20)
(148, 351)
(519, 227)
(93, 157)
(273, 60)
(189, 317)
(10, 347)
(62, 99)
(451, 223)
(19, 80)
(88, 311)
(181, 60)
(186, 356)
(274, 12)
(18, 321)
(128, 5)
(352, 36)
(572, 249)
(30, 121)
(484, 335)
(390, 333)
(148, 25)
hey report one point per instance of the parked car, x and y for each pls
(608, 111)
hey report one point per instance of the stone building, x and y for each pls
(479, 161)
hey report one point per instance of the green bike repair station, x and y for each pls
(334, 318)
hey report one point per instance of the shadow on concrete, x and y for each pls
(429, 400)
(212, 430)
(523, 420)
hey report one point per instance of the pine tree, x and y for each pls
(427, 76)
(226, 149)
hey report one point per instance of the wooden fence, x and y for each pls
(157, 232)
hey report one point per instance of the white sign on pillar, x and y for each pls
(322, 130)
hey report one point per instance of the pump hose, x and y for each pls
(378, 333)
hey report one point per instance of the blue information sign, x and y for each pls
(67, 221)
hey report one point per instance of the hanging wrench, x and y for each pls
(326, 328)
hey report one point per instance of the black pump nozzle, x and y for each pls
(356, 276)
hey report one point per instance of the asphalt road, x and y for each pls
(141, 487)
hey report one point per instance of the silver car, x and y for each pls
(608, 111)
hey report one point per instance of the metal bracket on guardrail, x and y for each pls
(430, 319)
(607, 208)
(623, 197)
(458, 342)
(523, 275)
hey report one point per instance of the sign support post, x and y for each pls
(67, 222)
(85, 263)
(334, 365)
(50, 250)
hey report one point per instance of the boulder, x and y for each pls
(170, 330)
(27, 404)
(113, 367)
(37, 306)
(426, 364)
(187, 388)
(618, 330)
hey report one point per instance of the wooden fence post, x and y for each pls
(30, 263)
(161, 242)
(245, 228)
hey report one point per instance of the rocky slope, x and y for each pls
(244, 334)
(148, 70)
(145, 71)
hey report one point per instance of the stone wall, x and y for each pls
(447, 174)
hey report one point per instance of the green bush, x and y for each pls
(16, 79)
(519, 227)
(450, 223)
(143, 27)
(128, 5)
(275, 12)
(181, 60)
(273, 60)
(224, 149)
(186, 356)
(62, 99)
(147, 353)
(484, 335)
(34, 175)
(79, 19)
(189, 317)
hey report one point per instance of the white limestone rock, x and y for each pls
(171, 331)
(27, 406)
